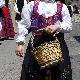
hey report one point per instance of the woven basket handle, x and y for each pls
(54, 35)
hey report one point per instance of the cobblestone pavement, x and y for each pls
(10, 64)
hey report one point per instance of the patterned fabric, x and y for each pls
(7, 25)
(41, 22)
(31, 69)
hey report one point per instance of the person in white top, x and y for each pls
(34, 17)
(18, 8)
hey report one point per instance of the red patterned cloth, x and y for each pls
(5, 10)
(7, 24)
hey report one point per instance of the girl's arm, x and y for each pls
(25, 23)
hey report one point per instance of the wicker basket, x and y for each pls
(48, 54)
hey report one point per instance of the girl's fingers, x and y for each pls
(22, 53)
(19, 53)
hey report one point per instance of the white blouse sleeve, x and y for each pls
(25, 23)
(25, 2)
(15, 8)
(66, 24)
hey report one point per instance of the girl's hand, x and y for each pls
(20, 50)
(52, 28)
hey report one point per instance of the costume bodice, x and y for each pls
(39, 21)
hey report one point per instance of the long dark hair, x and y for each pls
(20, 4)
(63, 1)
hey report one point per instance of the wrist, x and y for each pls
(58, 27)
(20, 43)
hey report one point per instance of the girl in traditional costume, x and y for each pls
(44, 20)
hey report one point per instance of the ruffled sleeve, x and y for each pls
(25, 23)
(66, 24)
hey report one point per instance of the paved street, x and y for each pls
(73, 42)
(10, 64)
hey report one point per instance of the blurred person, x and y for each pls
(7, 3)
(75, 9)
(18, 8)
(7, 30)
